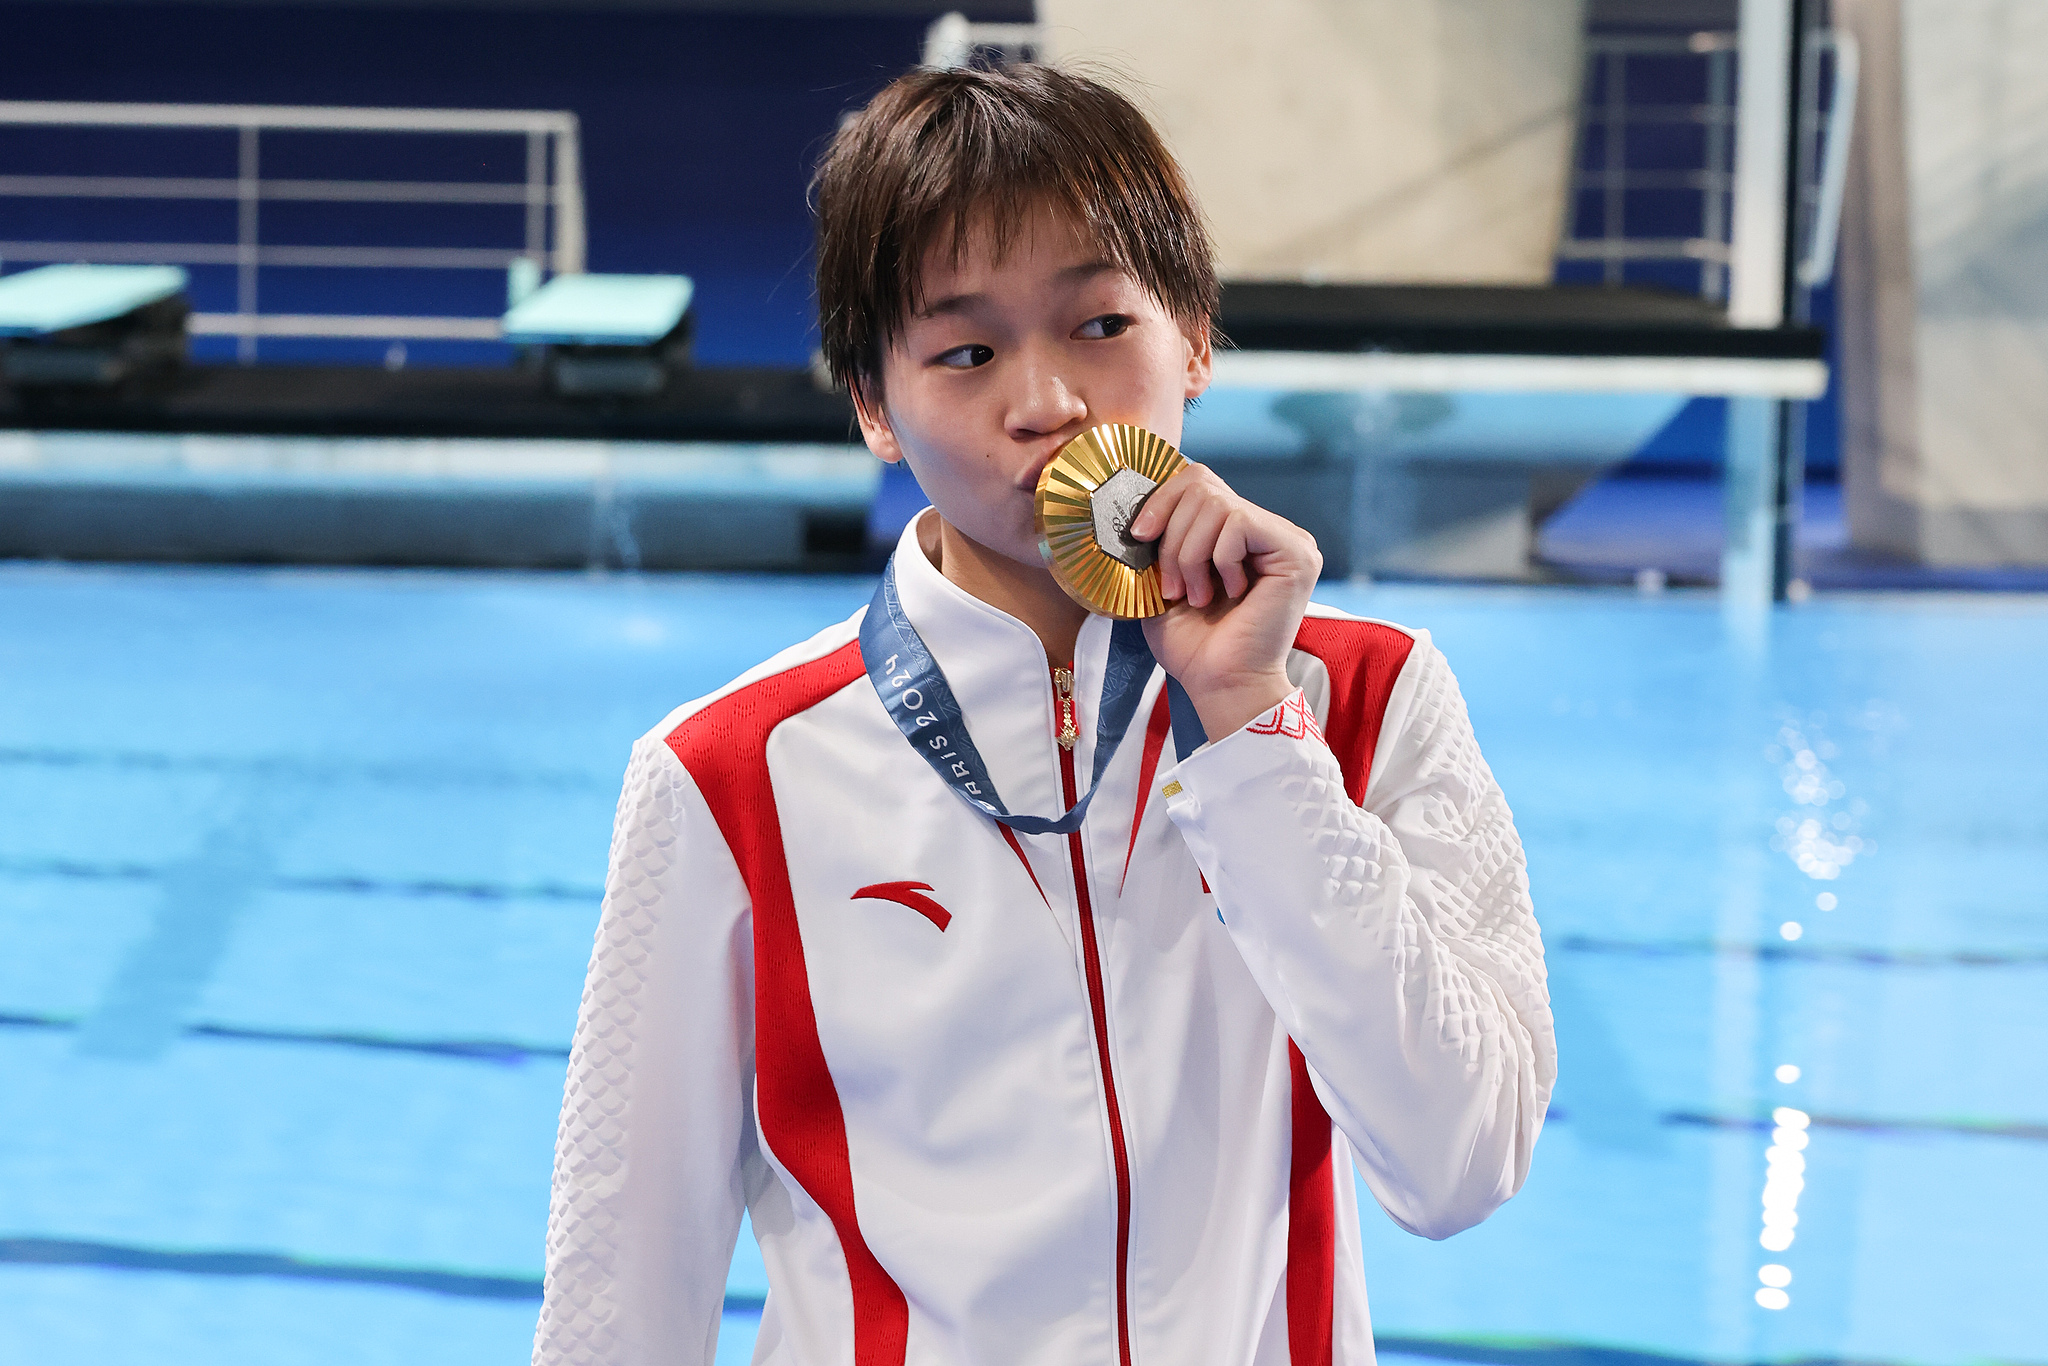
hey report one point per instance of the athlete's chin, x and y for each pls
(1011, 538)
(1019, 550)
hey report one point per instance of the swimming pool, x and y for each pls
(298, 871)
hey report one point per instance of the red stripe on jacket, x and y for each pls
(1148, 764)
(724, 747)
(1363, 659)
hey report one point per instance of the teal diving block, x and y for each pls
(91, 325)
(606, 334)
(36, 303)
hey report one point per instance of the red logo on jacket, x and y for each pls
(906, 894)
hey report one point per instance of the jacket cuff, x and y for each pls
(1270, 744)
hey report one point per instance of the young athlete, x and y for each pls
(1023, 1089)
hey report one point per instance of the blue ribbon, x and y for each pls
(922, 704)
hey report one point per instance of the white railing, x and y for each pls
(1607, 57)
(551, 193)
(1824, 130)
(952, 41)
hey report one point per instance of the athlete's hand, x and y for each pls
(1236, 579)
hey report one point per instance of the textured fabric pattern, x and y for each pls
(577, 1310)
(1414, 980)
(1470, 884)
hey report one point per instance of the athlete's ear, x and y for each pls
(1201, 360)
(874, 423)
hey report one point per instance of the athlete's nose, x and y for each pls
(1043, 402)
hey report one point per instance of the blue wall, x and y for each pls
(699, 132)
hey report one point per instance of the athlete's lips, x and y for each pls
(1053, 446)
(1029, 484)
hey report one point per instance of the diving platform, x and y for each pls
(94, 326)
(606, 334)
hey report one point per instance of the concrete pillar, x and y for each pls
(1944, 301)
(1756, 265)
(1393, 140)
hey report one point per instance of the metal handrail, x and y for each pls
(335, 118)
(1645, 249)
(553, 182)
(1817, 266)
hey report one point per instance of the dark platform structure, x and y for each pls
(1449, 421)
(349, 401)
(1518, 320)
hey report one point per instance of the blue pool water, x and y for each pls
(298, 872)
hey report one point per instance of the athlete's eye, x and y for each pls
(1107, 326)
(967, 357)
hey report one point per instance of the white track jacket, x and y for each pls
(1003, 1100)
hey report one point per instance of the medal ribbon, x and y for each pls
(921, 703)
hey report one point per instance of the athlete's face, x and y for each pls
(1010, 359)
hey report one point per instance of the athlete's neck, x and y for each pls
(1025, 592)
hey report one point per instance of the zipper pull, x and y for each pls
(1063, 690)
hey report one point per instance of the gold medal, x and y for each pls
(1088, 496)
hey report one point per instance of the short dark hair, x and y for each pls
(938, 151)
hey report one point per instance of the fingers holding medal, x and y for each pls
(1129, 527)
(1105, 550)
(1088, 497)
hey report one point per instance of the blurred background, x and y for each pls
(403, 405)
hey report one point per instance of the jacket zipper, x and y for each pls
(1070, 726)
(1091, 960)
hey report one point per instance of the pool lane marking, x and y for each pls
(1805, 953)
(470, 1050)
(1968, 1128)
(2020, 1130)
(470, 1285)
(349, 884)
(1541, 1352)
(283, 1266)
(201, 900)
(128, 1257)
(311, 770)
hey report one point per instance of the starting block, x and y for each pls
(91, 325)
(606, 334)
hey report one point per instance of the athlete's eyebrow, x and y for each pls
(952, 303)
(967, 303)
(1087, 270)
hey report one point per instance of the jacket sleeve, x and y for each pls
(1396, 942)
(656, 1123)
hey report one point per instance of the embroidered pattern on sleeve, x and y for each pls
(1291, 718)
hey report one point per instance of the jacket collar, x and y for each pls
(998, 671)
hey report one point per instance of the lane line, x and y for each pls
(472, 1285)
(474, 1050)
(311, 770)
(1807, 953)
(190, 1262)
(338, 882)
